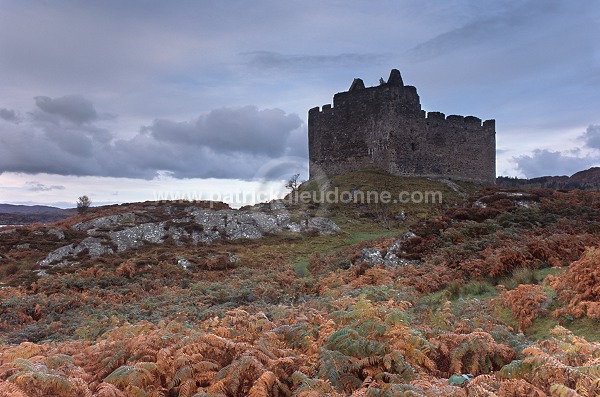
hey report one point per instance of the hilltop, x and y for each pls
(583, 180)
(25, 214)
(490, 290)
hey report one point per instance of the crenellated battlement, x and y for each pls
(384, 127)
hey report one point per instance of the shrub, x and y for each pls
(525, 303)
(579, 286)
(83, 204)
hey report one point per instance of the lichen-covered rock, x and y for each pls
(107, 222)
(323, 225)
(375, 257)
(62, 255)
(183, 263)
(125, 231)
(391, 260)
(135, 236)
(387, 257)
(94, 246)
(57, 233)
(57, 255)
(372, 256)
(236, 225)
(398, 243)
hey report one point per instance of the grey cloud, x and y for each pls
(144, 157)
(297, 143)
(592, 137)
(72, 141)
(35, 186)
(74, 108)
(68, 122)
(8, 115)
(245, 129)
(224, 143)
(28, 149)
(545, 162)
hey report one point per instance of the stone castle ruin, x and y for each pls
(383, 127)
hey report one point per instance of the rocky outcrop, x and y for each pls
(94, 246)
(129, 230)
(136, 236)
(386, 257)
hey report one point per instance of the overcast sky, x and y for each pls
(131, 100)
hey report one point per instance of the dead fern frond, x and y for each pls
(58, 361)
(36, 377)
(134, 391)
(340, 370)
(518, 388)
(238, 377)
(8, 389)
(139, 375)
(105, 358)
(187, 388)
(563, 391)
(268, 385)
(80, 387)
(525, 303)
(24, 350)
(474, 353)
(307, 387)
(108, 390)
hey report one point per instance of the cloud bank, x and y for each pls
(35, 186)
(66, 136)
(545, 162)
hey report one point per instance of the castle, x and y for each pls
(383, 127)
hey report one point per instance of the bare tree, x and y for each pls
(293, 183)
(83, 204)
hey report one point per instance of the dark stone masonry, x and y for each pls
(383, 127)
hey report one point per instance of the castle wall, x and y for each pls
(384, 127)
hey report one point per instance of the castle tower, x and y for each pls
(384, 127)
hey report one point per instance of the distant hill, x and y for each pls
(583, 180)
(590, 176)
(26, 214)
(28, 209)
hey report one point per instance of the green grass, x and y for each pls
(584, 327)
(358, 222)
(301, 267)
(527, 276)
(541, 274)
(380, 181)
(478, 289)
(436, 299)
(364, 221)
(300, 253)
(541, 326)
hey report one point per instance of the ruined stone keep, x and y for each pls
(383, 127)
